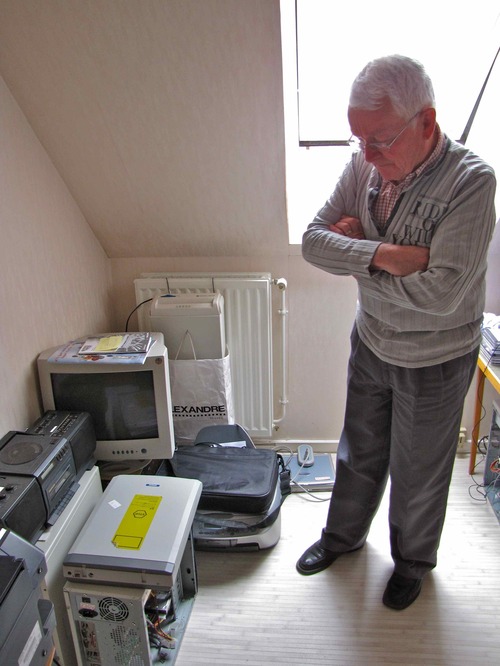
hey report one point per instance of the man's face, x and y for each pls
(411, 147)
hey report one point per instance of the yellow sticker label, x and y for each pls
(136, 522)
(109, 344)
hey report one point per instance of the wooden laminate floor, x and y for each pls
(254, 608)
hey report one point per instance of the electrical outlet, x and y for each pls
(462, 446)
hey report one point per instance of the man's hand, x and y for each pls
(400, 260)
(348, 226)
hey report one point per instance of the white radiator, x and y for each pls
(248, 324)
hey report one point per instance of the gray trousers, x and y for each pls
(402, 422)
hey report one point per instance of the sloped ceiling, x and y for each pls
(163, 117)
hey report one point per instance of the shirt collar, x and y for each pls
(427, 164)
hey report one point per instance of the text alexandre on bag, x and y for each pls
(199, 409)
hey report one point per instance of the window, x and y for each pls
(325, 44)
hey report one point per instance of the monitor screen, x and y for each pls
(122, 405)
(130, 404)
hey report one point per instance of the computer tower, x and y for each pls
(26, 620)
(134, 549)
(108, 624)
(55, 543)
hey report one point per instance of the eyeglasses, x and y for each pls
(381, 145)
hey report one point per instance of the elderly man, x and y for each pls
(410, 220)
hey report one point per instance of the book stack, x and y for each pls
(108, 348)
(490, 343)
(117, 343)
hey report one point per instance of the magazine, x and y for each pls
(117, 343)
(70, 353)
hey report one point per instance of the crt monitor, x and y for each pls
(129, 403)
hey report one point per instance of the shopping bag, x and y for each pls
(201, 393)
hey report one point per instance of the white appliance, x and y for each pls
(55, 544)
(200, 315)
(249, 322)
(133, 561)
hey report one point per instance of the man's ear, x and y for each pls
(429, 122)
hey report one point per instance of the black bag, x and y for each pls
(235, 479)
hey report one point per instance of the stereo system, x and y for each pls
(40, 469)
(77, 428)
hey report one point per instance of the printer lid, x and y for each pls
(142, 522)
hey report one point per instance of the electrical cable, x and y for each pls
(311, 496)
(479, 488)
(148, 300)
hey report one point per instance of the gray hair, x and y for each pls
(398, 78)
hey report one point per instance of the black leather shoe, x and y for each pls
(401, 592)
(315, 559)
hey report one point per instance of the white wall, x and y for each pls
(55, 278)
(165, 118)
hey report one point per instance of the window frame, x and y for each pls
(313, 165)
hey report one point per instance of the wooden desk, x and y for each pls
(492, 374)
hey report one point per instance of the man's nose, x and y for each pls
(371, 153)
